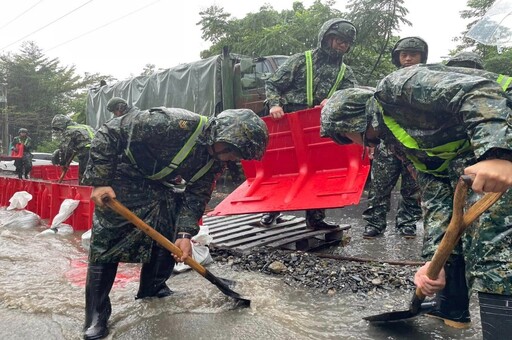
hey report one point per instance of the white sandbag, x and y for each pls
(61, 229)
(66, 209)
(200, 250)
(22, 219)
(86, 239)
(19, 200)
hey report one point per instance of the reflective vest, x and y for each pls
(87, 128)
(179, 158)
(446, 152)
(309, 78)
(504, 81)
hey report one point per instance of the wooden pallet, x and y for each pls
(243, 232)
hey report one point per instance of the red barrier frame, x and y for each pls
(300, 170)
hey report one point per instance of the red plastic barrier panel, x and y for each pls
(53, 172)
(16, 153)
(300, 170)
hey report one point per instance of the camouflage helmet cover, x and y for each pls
(466, 59)
(241, 128)
(60, 122)
(113, 102)
(343, 29)
(22, 130)
(415, 44)
(346, 112)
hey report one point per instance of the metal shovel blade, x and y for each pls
(405, 315)
(222, 284)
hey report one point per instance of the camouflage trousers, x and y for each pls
(486, 245)
(385, 172)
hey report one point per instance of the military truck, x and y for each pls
(206, 87)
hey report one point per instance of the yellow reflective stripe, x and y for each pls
(202, 171)
(341, 73)
(447, 151)
(504, 81)
(89, 130)
(309, 78)
(183, 153)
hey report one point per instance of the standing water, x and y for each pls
(42, 281)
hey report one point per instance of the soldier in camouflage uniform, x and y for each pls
(75, 141)
(449, 121)
(387, 168)
(24, 165)
(287, 90)
(161, 164)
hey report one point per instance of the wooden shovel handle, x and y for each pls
(155, 235)
(458, 224)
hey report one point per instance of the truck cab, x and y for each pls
(250, 76)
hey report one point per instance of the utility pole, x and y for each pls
(5, 134)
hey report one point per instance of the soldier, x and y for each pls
(75, 141)
(161, 164)
(387, 168)
(309, 79)
(118, 106)
(448, 122)
(24, 165)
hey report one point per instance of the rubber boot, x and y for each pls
(315, 219)
(269, 218)
(495, 314)
(452, 303)
(154, 274)
(100, 278)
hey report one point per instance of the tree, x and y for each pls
(39, 88)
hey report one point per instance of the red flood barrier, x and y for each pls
(47, 198)
(300, 170)
(53, 172)
(16, 153)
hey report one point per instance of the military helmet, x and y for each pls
(343, 29)
(60, 122)
(22, 130)
(415, 44)
(466, 59)
(345, 112)
(241, 128)
(114, 102)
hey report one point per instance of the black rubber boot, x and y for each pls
(407, 231)
(269, 218)
(372, 232)
(154, 274)
(453, 301)
(315, 219)
(495, 313)
(100, 278)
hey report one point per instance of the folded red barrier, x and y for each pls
(300, 170)
(16, 153)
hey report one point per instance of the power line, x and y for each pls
(102, 26)
(54, 21)
(21, 14)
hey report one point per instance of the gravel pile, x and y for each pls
(301, 269)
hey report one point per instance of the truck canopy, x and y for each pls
(193, 86)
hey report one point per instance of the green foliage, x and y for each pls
(39, 88)
(269, 32)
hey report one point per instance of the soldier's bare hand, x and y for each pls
(98, 193)
(428, 286)
(492, 175)
(186, 247)
(276, 112)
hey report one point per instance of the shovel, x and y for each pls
(458, 223)
(65, 168)
(222, 284)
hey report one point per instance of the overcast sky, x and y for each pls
(119, 37)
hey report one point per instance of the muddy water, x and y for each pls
(42, 297)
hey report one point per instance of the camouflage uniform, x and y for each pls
(387, 169)
(287, 86)
(484, 122)
(159, 165)
(76, 140)
(24, 165)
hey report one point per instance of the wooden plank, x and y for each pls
(252, 237)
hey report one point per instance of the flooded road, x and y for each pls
(42, 296)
